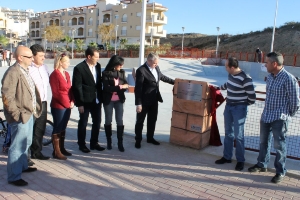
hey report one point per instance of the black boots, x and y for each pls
(108, 134)
(62, 144)
(120, 131)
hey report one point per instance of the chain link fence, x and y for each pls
(252, 131)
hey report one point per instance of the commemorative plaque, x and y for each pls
(189, 91)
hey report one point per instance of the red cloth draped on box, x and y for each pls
(217, 99)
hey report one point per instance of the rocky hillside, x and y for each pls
(287, 40)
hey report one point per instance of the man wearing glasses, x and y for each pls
(22, 103)
(282, 102)
(40, 75)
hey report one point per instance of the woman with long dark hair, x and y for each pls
(114, 86)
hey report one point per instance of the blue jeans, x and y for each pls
(7, 140)
(21, 139)
(234, 121)
(108, 110)
(60, 119)
(279, 128)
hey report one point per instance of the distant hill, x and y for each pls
(287, 40)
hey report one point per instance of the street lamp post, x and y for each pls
(217, 48)
(73, 33)
(26, 37)
(10, 41)
(273, 35)
(45, 43)
(116, 29)
(182, 42)
(152, 16)
(142, 33)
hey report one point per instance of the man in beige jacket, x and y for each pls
(22, 104)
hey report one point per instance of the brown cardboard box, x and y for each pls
(189, 139)
(131, 89)
(198, 123)
(202, 108)
(179, 120)
(189, 122)
(205, 87)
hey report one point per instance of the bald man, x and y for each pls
(22, 104)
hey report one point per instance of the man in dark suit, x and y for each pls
(87, 89)
(147, 96)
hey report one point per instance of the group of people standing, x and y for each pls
(24, 95)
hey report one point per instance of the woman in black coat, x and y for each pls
(114, 86)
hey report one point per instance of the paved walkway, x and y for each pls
(152, 172)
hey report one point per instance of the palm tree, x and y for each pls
(67, 39)
(93, 44)
(123, 41)
(79, 44)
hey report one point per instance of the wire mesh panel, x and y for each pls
(252, 131)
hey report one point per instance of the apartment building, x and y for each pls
(9, 29)
(18, 20)
(82, 22)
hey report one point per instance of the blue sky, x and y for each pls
(199, 16)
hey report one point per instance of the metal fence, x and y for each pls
(252, 131)
(290, 60)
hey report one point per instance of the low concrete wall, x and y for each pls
(251, 68)
(129, 62)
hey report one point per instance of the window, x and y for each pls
(138, 28)
(138, 14)
(124, 18)
(70, 22)
(91, 21)
(80, 32)
(70, 33)
(80, 21)
(90, 32)
(124, 30)
(32, 25)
